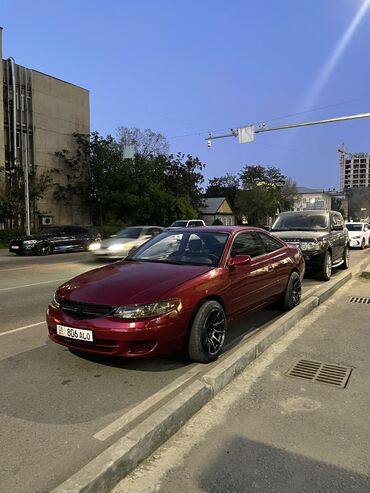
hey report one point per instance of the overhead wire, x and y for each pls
(282, 117)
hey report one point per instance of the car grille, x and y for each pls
(83, 311)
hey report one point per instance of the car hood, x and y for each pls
(118, 241)
(351, 234)
(129, 282)
(300, 235)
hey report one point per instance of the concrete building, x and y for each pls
(38, 116)
(354, 170)
(312, 199)
(217, 208)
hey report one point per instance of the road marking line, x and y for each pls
(34, 284)
(21, 328)
(135, 412)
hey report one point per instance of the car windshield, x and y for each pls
(179, 224)
(183, 248)
(354, 227)
(131, 233)
(300, 222)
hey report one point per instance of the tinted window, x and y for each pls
(354, 227)
(248, 243)
(179, 224)
(270, 243)
(301, 222)
(183, 248)
(153, 231)
(131, 233)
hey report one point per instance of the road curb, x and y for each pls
(107, 469)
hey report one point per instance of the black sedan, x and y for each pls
(55, 239)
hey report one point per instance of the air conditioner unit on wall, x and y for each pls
(46, 220)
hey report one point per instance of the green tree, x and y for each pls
(154, 188)
(265, 192)
(146, 143)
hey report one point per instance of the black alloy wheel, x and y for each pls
(43, 248)
(207, 334)
(325, 273)
(293, 292)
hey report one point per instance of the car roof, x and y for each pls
(217, 229)
(319, 211)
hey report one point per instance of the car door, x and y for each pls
(249, 282)
(281, 264)
(338, 236)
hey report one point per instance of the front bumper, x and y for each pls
(314, 260)
(104, 253)
(355, 243)
(22, 249)
(115, 337)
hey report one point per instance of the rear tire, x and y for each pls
(293, 291)
(325, 273)
(207, 334)
(43, 248)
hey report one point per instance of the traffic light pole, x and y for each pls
(235, 131)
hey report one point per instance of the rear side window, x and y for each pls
(248, 243)
(270, 243)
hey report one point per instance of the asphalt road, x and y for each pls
(53, 402)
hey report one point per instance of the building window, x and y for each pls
(18, 138)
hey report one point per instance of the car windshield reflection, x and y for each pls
(185, 248)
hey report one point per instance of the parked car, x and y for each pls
(177, 291)
(321, 235)
(188, 223)
(359, 234)
(55, 239)
(126, 240)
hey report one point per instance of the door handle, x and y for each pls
(270, 267)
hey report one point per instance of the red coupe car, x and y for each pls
(177, 291)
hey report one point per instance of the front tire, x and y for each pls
(363, 244)
(207, 334)
(293, 292)
(325, 273)
(43, 248)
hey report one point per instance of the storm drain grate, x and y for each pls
(315, 371)
(359, 299)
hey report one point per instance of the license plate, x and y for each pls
(14, 247)
(72, 333)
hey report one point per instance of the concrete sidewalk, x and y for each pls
(267, 431)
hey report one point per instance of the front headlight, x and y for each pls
(54, 302)
(148, 310)
(116, 247)
(310, 245)
(29, 242)
(94, 246)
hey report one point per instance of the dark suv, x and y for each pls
(55, 239)
(322, 236)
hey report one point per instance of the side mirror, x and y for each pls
(337, 227)
(239, 260)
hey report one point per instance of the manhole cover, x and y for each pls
(316, 371)
(359, 299)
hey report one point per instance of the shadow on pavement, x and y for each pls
(247, 466)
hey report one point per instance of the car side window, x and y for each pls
(270, 243)
(248, 243)
(153, 231)
(337, 220)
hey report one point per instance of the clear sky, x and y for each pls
(183, 67)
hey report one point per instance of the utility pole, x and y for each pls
(26, 185)
(246, 134)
